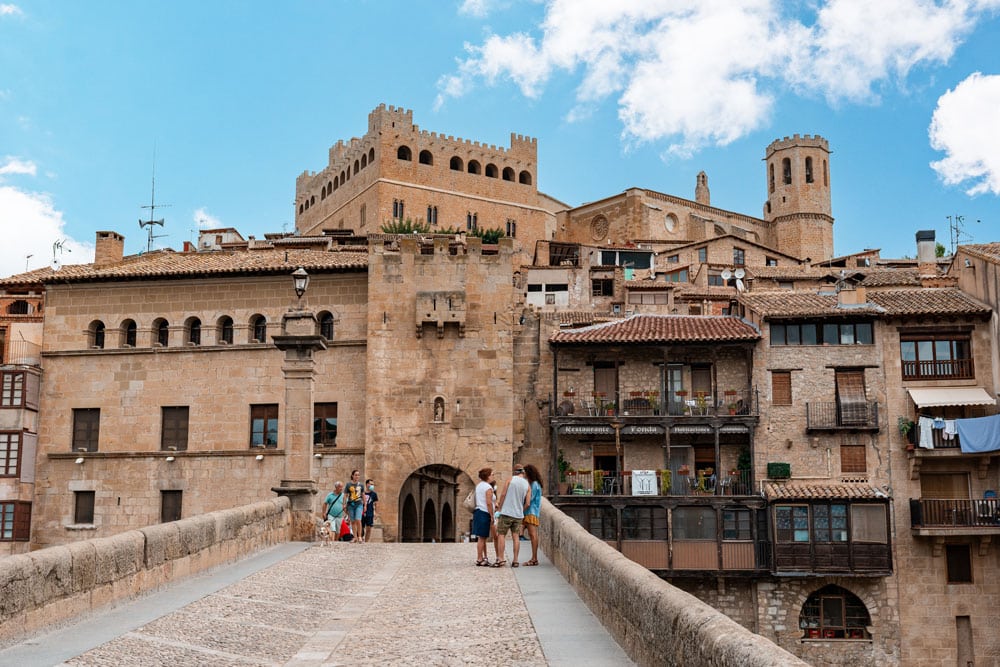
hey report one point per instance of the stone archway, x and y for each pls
(428, 499)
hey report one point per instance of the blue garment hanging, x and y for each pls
(979, 434)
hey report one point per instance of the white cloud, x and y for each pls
(10, 10)
(697, 74)
(964, 126)
(31, 224)
(13, 165)
(478, 8)
(205, 220)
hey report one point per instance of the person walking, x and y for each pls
(482, 516)
(368, 517)
(534, 509)
(333, 508)
(355, 503)
(514, 500)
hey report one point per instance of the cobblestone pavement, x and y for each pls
(346, 604)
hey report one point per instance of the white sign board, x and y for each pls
(644, 483)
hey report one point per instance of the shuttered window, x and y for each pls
(781, 387)
(851, 401)
(852, 458)
(944, 485)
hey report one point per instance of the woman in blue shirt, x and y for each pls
(534, 509)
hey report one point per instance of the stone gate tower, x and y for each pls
(798, 196)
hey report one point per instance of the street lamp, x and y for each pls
(301, 281)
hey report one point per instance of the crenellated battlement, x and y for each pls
(798, 141)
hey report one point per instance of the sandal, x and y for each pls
(514, 564)
(483, 563)
(531, 562)
(499, 563)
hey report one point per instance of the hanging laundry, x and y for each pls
(980, 434)
(925, 431)
(949, 429)
(938, 423)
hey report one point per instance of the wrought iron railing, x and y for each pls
(21, 353)
(663, 483)
(642, 403)
(954, 512)
(838, 415)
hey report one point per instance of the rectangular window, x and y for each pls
(677, 276)
(264, 425)
(959, 558)
(362, 215)
(694, 523)
(86, 429)
(325, 424)
(703, 255)
(948, 356)
(829, 523)
(786, 284)
(602, 287)
(15, 521)
(781, 387)
(812, 333)
(852, 403)
(853, 458)
(83, 507)
(715, 279)
(868, 524)
(791, 523)
(170, 505)
(649, 298)
(736, 525)
(644, 523)
(10, 453)
(673, 259)
(174, 425)
(739, 256)
(12, 390)
(770, 261)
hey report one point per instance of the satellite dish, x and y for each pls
(56, 264)
(739, 285)
(739, 273)
(726, 274)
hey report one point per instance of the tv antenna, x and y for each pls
(956, 230)
(148, 224)
(57, 250)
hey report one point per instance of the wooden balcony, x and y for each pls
(663, 483)
(939, 517)
(643, 403)
(834, 416)
(953, 369)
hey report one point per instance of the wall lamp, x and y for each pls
(260, 457)
(318, 455)
(170, 459)
(80, 460)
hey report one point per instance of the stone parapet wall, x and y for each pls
(55, 584)
(655, 623)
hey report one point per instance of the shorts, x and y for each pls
(355, 512)
(508, 523)
(531, 519)
(481, 523)
(367, 519)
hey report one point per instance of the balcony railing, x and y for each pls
(834, 415)
(664, 483)
(955, 513)
(642, 403)
(950, 369)
(21, 353)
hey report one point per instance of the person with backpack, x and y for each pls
(355, 503)
(333, 509)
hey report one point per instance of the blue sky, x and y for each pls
(237, 98)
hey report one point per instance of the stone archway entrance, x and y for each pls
(427, 504)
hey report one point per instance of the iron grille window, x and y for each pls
(83, 507)
(86, 429)
(12, 390)
(325, 424)
(174, 434)
(834, 613)
(264, 425)
(10, 453)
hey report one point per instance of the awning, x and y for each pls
(938, 396)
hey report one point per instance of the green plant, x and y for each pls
(405, 227)
(905, 425)
(743, 461)
(779, 470)
(664, 482)
(564, 466)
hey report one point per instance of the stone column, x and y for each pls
(299, 341)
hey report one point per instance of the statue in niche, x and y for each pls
(439, 409)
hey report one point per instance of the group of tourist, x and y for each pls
(350, 510)
(518, 506)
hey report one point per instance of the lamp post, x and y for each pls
(299, 339)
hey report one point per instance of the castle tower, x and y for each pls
(798, 199)
(701, 193)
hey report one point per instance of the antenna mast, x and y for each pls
(148, 224)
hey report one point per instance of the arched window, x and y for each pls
(322, 193)
(834, 613)
(404, 153)
(809, 170)
(326, 325)
(258, 329)
(425, 157)
(786, 171)
(508, 174)
(97, 334)
(770, 179)
(357, 167)
(524, 178)
(312, 200)
(455, 164)
(474, 167)
(193, 331)
(343, 178)
(128, 329)
(371, 156)
(224, 334)
(161, 332)
(348, 172)
(491, 171)
(301, 208)
(364, 160)
(307, 204)
(335, 184)
(19, 307)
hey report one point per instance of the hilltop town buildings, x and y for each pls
(717, 395)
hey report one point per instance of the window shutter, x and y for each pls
(851, 400)
(852, 459)
(781, 387)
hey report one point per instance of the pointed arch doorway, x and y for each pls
(427, 504)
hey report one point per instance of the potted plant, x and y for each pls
(681, 393)
(907, 429)
(684, 470)
(701, 401)
(569, 393)
(564, 469)
(664, 482)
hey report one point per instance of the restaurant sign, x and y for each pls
(643, 429)
(589, 429)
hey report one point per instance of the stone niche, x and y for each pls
(440, 308)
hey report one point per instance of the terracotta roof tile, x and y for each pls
(662, 329)
(987, 251)
(576, 317)
(791, 271)
(166, 263)
(800, 303)
(896, 302)
(803, 491)
(649, 284)
(687, 292)
(891, 278)
(928, 301)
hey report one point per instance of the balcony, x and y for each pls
(940, 517)
(649, 403)
(21, 353)
(836, 416)
(951, 369)
(661, 483)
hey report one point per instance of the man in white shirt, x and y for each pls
(514, 500)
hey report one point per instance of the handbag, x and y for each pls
(470, 501)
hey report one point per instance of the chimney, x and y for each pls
(925, 247)
(110, 248)
(701, 193)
